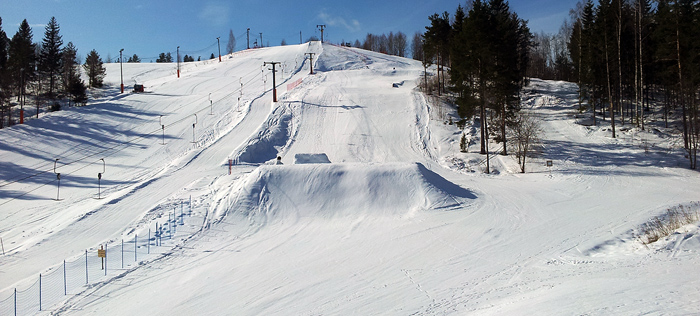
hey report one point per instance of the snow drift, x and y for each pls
(345, 190)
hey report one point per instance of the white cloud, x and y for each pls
(352, 25)
(214, 13)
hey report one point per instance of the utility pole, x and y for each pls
(218, 43)
(274, 85)
(121, 67)
(178, 61)
(322, 27)
(300, 40)
(248, 37)
(311, 63)
(261, 42)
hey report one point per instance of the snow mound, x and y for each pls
(300, 159)
(346, 191)
(341, 58)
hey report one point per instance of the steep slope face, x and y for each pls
(351, 111)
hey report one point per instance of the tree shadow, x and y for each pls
(594, 158)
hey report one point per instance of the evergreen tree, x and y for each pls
(22, 57)
(50, 58)
(437, 44)
(164, 58)
(489, 61)
(77, 91)
(94, 69)
(212, 56)
(21, 62)
(69, 65)
(4, 42)
(134, 59)
(4, 80)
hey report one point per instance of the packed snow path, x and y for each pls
(383, 229)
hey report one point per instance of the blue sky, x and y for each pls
(149, 27)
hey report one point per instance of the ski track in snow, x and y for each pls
(386, 228)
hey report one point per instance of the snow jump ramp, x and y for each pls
(328, 191)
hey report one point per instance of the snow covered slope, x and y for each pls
(395, 224)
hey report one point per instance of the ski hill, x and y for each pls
(370, 209)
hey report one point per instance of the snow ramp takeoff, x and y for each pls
(328, 191)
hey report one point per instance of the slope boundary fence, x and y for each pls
(101, 264)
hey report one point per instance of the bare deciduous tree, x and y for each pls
(231, 47)
(526, 132)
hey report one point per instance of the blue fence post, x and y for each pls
(190, 205)
(65, 286)
(148, 246)
(136, 238)
(86, 266)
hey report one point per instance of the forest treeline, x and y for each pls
(45, 73)
(482, 56)
(630, 58)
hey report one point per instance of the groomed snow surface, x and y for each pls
(372, 209)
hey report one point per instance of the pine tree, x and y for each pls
(77, 91)
(21, 61)
(134, 59)
(50, 57)
(4, 42)
(94, 69)
(22, 57)
(437, 44)
(69, 65)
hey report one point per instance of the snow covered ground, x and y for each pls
(399, 222)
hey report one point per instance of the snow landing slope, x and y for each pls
(384, 228)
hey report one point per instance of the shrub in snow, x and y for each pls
(666, 224)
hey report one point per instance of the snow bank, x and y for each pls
(341, 59)
(345, 190)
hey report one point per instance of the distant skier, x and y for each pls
(279, 160)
